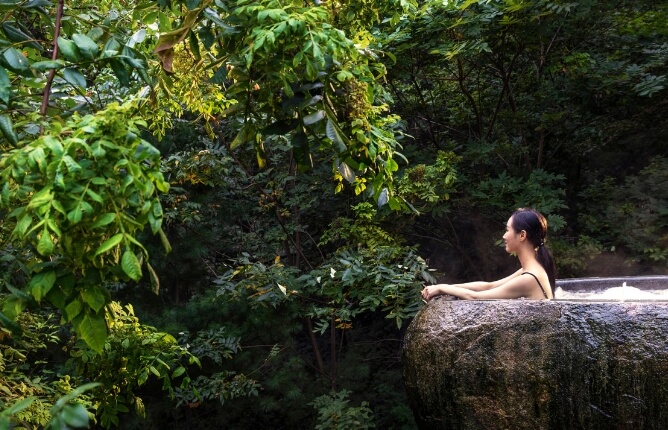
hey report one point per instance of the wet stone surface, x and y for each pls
(521, 364)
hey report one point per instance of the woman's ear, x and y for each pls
(523, 235)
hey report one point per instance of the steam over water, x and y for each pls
(621, 293)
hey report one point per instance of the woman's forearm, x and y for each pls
(475, 286)
(454, 290)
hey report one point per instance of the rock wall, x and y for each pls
(521, 364)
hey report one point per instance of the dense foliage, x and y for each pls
(220, 213)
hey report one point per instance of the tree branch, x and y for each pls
(52, 72)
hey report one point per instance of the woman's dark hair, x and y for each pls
(535, 225)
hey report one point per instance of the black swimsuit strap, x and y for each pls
(539, 284)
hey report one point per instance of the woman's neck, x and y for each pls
(527, 256)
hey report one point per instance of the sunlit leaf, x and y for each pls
(41, 283)
(94, 196)
(383, 198)
(178, 372)
(245, 135)
(335, 136)
(93, 330)
(104, 219)
(109, 243)
(41, 197)
(346, 172)
(73, 309)
(45, 244)
(314, 117)
(155, 281)
(130, 265)
(75, 215)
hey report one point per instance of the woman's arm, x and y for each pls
(510, 287)
(483, 285)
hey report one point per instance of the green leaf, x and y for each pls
(15, 60)
(7, 128)
(94, 297)
(279, 127)
(143, 377)
(53, 144)
(86, 45)
(104, 219)
(69, 49)
(45, 244)
(130, 265)
(98, 180)
(332, 131)
(13, 306)
(93, 330)
(41, 283)
(59, 207)
(109, 243)
(58, 296)
(75, 77)
(178, 372)
(5, 85)
(94, 196)
(22, 226)
(73, 309)
(95, 33)
(155, 281)
(301, 152)
(41, 197)
(154, 222)
(165, 241)
(314, 117)
(5, 194)
(120, 71)
(36, 3)
(52, 224)
(18, 407)
(194, 45)
(260, 155)
(74, 216)
(67, 398)
(75, 415)
(72, 165)
(19, 36)
(346, 172)
(112, 46)
(43, 66)
(245, 135)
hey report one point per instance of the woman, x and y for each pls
(525, 236)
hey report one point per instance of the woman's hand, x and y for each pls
(430, 292)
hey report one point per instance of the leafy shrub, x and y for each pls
(334, 413)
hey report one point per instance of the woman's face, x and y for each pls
(510, 237)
